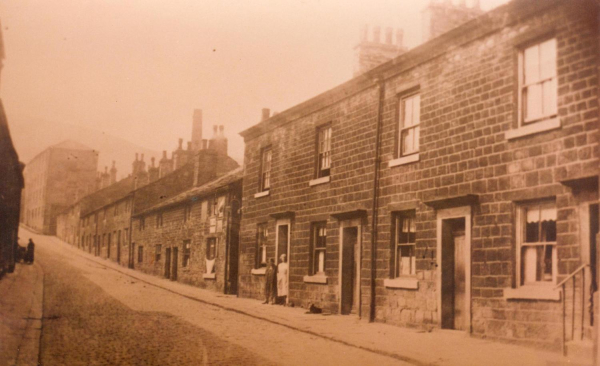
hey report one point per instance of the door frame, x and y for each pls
(278, 223)
(356, 222)
(455, 213)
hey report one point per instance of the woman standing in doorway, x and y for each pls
(282, 279)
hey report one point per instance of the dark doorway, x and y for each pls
(174, 266)
(119, 247)
(349, 275)
(232, 261)
(453, 274)
(131, 255)
(168, 263)
(282, 241)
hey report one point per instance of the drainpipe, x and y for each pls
(381, 84)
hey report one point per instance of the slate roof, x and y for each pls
(194, 193)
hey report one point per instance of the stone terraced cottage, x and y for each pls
(455, 186)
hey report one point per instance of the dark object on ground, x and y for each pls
(21, 253)
(314, 309)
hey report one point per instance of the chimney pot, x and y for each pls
(376, 34)
(152, 160)
(164, 154)
(142, 159)
(215, 130)
(136, 156)
(180, 143)
(388, 35)
(266, 113)
(364, 33)
(400, 37)
(189, 145)
(221, 130)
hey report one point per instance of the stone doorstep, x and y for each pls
(453, 347)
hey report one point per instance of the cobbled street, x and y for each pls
(95, 315)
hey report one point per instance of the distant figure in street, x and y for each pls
(270, 283)
(30, 249)
(282, 279)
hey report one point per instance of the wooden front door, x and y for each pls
(168, 263)
(119, 248)
(174, 266)
(454, 314)
(349, 273)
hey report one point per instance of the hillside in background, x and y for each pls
(31, 136)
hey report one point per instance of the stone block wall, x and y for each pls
(293, 167)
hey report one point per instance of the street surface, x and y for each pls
(94, 315)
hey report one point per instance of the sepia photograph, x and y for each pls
(299, 182)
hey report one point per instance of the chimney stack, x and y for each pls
(266, 112)
(197, 129)
(389, 31)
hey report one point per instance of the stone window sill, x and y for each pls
(537, 127)
(258, 271)
(262, 194)
(404, 160)
(318, 278)
(209, 276)
(409, 283)
(532, 293)
(322, 180)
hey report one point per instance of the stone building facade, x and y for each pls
(107, 222)
(193, 237)
(55, 179)
(11, 186)
(454, 187)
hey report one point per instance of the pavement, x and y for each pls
(21, 314)
(437, 347)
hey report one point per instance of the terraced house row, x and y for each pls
(454, 186)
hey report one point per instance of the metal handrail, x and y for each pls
(563, 293)
(571, 275)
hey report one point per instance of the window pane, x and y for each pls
(416, 109)
(548, 59)
(408, 112)
(531, 60)
(406, 259)
(533, 102)
(548, 231)
(417, 136)
(529, 264)
(549, 90)
(319, 261)
(408, 141)
(547, 272)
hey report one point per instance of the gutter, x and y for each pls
(381, 84)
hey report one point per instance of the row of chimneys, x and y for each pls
(106, 179)
(376, 35)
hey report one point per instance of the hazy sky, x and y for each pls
(137, 68)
